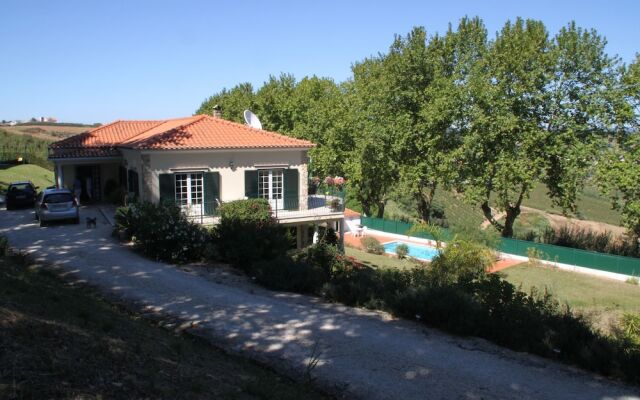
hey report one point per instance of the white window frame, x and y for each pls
(189, 192)
(271, 186)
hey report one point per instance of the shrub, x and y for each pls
(284, 273)
(402, 250)
(247, 232)
(603, 242)
(632, 280)
(461, 262)
(4, 246)
(372, 245)
(113, 192)
(162, 232)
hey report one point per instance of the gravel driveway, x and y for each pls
(361, 354)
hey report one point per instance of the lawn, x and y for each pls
(27, 172)
(377, 261)
(65, 341)
(600, 299)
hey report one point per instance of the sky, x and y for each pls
(97, 61)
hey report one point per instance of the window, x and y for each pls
(270, 186)
(189, 189)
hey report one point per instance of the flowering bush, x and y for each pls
(162, 232)
(329, 181)
(338, 181)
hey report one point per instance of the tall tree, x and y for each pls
(233, 102)
(504, 150)
(370, 167)
(619, 170)
(539, 107)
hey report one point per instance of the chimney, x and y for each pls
(217, 111)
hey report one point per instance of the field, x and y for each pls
(27, 172)
(64, 341)
(601, 300)
(49, 132)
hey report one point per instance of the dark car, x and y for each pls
(21, 194)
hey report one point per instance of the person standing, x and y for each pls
(88, 186)
(77, 189)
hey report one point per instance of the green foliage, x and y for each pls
(490, 118)
(371, 245)
(32, 149)
(248, 233)
(402, 250)
(630, 328)
(461, 262)
(633, 280)
(619, 178)
(162, 232)
(4, 246)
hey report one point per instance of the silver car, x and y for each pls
(56, 205)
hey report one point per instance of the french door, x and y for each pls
(270, 187)
(189, 192)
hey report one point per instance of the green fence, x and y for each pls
(565, 255)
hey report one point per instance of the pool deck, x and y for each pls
(354, 241)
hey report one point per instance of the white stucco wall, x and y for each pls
(231, 179)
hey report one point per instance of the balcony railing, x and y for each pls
(316, 205)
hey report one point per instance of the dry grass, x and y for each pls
(46, 132)
(62, 341)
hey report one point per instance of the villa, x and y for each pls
(198, 163)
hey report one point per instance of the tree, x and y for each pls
(370, 167)
(539, 105)
(233, 102)
(619, 169)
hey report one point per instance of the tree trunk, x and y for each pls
(424, 209)
(512, 214)
(366, 208)
(381, 206)
(425, 201)
(488, 214)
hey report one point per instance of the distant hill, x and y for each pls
(47, 131)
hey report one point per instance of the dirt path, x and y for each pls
(361, 354)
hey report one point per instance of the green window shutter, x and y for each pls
(251, 184)
(211, 192)
(167, 188)
(291, 192)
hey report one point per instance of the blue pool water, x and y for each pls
(415, 251)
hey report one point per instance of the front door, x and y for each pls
(270, 187)
(189, 193)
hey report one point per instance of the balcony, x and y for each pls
(328, 205)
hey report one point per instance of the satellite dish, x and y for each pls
(252, 120)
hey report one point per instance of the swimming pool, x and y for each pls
(415, 250)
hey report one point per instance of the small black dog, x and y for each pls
(91, 222)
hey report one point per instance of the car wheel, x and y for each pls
(76, 220)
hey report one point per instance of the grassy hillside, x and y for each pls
(39, 176)
(591, 206)
(62, 341)
(48, 132)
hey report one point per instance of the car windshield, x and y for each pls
(20, 187)
(58, 198)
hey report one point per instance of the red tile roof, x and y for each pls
(197, 132)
